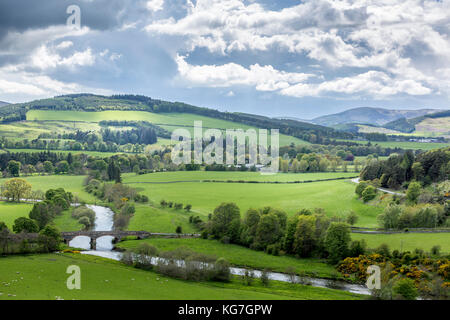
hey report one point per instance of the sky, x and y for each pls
(285, 58)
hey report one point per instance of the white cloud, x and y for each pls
(263, 78)
(46, 57)
(390, 37)
(375, 83)
(155, 5)
(42, 52)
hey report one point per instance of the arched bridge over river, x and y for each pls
(119, 235)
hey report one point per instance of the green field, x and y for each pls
(169, 121)
(336, 197)
(65, 222)
(232, 175)
(44, 277)
(407, 241)
(404, 144)
(73, 184)
(241, 256)
(152, 219)
(11, 211)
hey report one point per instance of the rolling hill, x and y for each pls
(3, 103)
(81, 107)
(371, 116)
(434, 124)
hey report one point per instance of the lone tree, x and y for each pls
(16, 189)
(413, 192)
(337, 241)
(14, 168)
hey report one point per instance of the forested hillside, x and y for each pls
(88, 102)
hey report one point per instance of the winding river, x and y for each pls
(104, 221)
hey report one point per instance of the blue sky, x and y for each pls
(286, 58)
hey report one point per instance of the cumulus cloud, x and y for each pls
(388, 39)
(263, 78)
(155, 5)
(376, 83)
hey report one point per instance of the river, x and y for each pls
(104, 221)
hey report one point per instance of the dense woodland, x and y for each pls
(427, 167)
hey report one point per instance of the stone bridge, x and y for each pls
(119, 235)
(94, 235)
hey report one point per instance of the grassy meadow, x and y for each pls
(407, 145)
(73, 184)
(335, 197)
(11, 211)
(44, 277)
(407, 241)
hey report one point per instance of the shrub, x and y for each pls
(179, 230)
(188, 208)
(357, 248)
(222, 270)
(360, 188)
(404, 289)
(85, 221)
(247, 277)
(436, 250)
(352, 218)
(147, 249)
(178, 206)
(265, 281)
(369, 193)
(383, 249)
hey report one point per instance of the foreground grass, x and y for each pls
(335, 197)
(10, 211)
(241, 256)
(44, 277)
(407, 241)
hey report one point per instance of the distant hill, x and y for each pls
(89, 103)
(436, 123)
(370, 116)
(2, 103)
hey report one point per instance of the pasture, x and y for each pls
(44, 277)
(335, 197)
(407, 145)
(73, 184)
(147, 218)
(407, 241)
(186, 176)
(10, 211)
